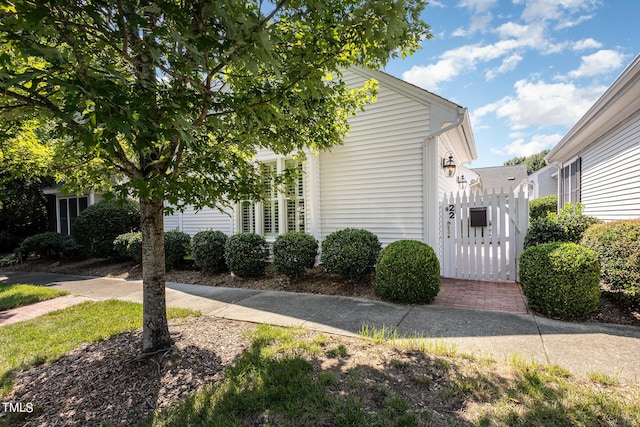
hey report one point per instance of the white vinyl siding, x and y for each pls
(374, 181)
(191, 221)
(611, 174)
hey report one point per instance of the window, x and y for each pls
(295, 200)
(281, 210)
(247, 217)
(70, 208)
(270, 204)
(570, 182)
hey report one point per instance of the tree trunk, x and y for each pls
(155, 329)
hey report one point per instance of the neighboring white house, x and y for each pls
(599, 158)
(63, 210)
(543, 182)
(499, 178)
(387, 177)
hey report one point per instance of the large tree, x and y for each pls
(173, 98)
(533, 162)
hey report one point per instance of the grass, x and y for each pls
(55, 334)
(294, 377)
(12, 296)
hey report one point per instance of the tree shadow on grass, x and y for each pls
(291, 385)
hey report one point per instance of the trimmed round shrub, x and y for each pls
(207, 248)
(129, 245)
(177, 245)
(567, 226)
(617, 244)
(408, 271)
(560, 280)
(246, 254)
(540, 207)
(49, 245)
(350, 253)
(98, 225)
(293, 252)
(544, 230)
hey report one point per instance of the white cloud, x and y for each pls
(520, 148)
(601, 62)
(478, 6)
(543, 104)
(568, 23)
(586, 44)
(554, 10)
(508, 64)
(460, 32)
(459, 60)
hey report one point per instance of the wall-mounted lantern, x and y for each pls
(462, 182)
(449, 165)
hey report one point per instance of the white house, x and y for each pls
(388, 177)
(599, 158)
(543, 182)
(498, 178)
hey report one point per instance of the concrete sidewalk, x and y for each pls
(580, 347)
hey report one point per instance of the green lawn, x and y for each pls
(293, 377)
(55, 334)
(12, 296)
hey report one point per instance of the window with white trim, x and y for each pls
(69, 209)
(270, 207)
(295, 200)
(570, 182)
(283, 209)
(247, 217)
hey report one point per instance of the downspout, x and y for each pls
(431, 220)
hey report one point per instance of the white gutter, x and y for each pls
(430, 202)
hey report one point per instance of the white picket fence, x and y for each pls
(472, 250)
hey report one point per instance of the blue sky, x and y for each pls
(527, 70)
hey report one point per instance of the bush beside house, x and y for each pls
(350, 253)
(408, 271)
(560, 279)
(49, 245)
(208, 250)
(177, 245)
(542, 206)
(246, 254)
(129, 245)
(617, 244)
(567, 226)
(98, 225)
(293, 253)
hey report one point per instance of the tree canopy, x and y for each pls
(173, 98)
(534, 162)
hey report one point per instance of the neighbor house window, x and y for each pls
(570, 182)
(70, 208)
(282, 209)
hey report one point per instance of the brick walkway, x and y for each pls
(480, 295)
(38, 309)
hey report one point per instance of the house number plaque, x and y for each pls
(452, 211)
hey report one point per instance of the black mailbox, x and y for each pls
(478, 217)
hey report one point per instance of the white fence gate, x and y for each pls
(483, 236)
